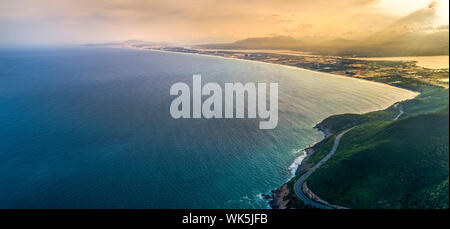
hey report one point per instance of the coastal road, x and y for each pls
(298, 185)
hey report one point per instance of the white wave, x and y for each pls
(298, 160)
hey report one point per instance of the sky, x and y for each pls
(209, 21)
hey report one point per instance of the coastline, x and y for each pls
(276, 64)
(276, 199)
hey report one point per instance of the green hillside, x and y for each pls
(390, 164)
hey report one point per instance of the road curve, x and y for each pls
(298, 185)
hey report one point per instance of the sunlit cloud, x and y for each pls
(70, 21)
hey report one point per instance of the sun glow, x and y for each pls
(405, 7)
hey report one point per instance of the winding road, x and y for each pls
(299, 184)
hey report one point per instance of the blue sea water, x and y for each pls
(88, 127)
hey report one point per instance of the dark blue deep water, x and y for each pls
(91, 128)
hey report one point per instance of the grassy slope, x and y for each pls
(385, 164)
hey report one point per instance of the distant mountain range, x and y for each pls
(278, 42)
(384, 43)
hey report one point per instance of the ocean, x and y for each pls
(85, 127)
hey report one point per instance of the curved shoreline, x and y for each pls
(276, 64)
(271, 199)
(301, 182)
(300, 186)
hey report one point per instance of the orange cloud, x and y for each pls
(189, 21)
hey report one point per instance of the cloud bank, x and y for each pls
(199, 21)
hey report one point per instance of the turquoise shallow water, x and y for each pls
(91, 128)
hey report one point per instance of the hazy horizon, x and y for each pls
(47, 22)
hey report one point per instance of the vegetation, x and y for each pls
(389, 164)
(294, 201)
(397, 73)
(402, 164)
(338, 123)
(384, 163)
(321, 149)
